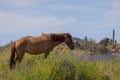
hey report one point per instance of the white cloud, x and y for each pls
(16, 23)
(106, 18)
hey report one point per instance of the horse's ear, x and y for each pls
(67, 35)
(56, 37)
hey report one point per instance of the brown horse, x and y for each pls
(36, 45)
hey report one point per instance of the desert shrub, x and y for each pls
(61, 66)
(88, 71)
(65, 71)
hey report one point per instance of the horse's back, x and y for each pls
(39, 39)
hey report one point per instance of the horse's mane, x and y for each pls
(57, 37)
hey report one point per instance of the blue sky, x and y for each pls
(93, 18)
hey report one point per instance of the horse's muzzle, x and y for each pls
(72, 48)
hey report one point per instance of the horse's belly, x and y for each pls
(37, 49)
(34, 52)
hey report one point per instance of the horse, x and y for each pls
(38, 45)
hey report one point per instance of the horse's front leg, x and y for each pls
(46, 54)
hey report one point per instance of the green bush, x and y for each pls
(59, 66)
(65, 71)
(89, 71)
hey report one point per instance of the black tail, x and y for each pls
(12, 57)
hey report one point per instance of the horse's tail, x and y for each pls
(12, 57)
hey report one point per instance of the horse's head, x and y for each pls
(68, 40)
(104, 41)
(63, 37)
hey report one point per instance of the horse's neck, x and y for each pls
(57, 43)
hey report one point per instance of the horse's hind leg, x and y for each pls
(15, 61)
(19, 56)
